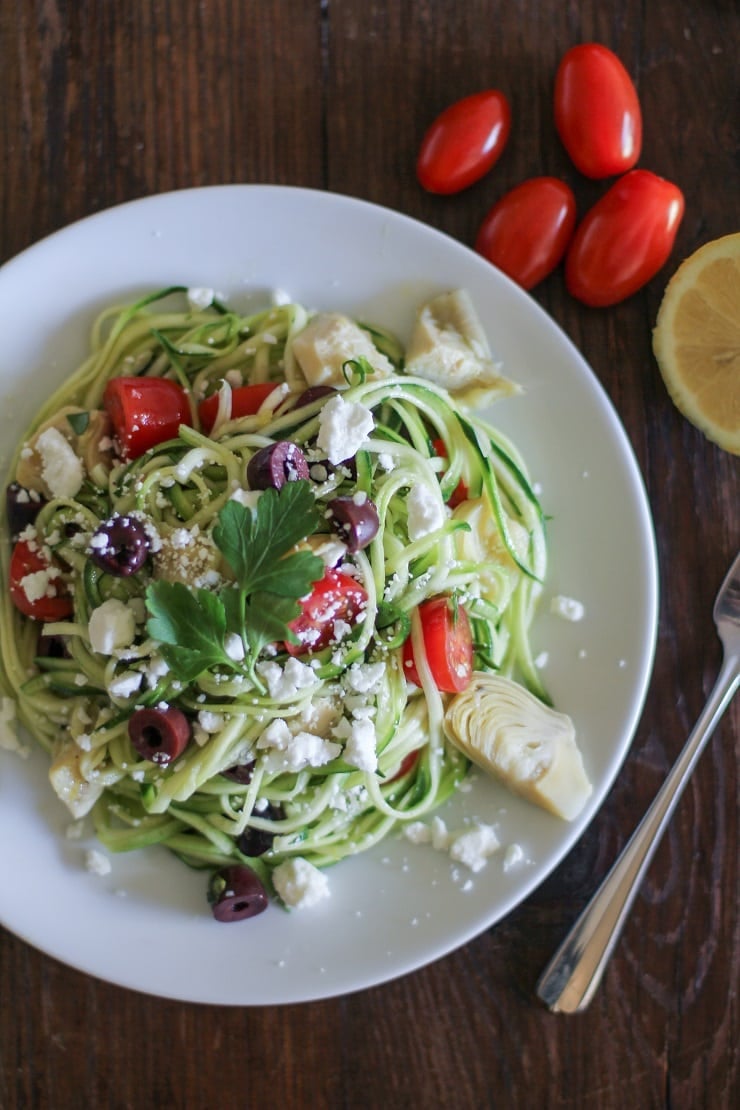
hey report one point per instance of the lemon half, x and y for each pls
(696, 340)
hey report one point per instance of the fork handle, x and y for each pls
(572, 976)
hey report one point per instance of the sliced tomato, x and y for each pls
(527, 231)
(405, 765)
(145, 412)
(335, 597)
(460, 492)
(55, 604)
(246, 400)
(464, 142)
(448, 643)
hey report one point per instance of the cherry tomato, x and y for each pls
(464, 142)
(335, 597)
(460, 492)
(405, 765)
(448, 643)
(624, 239)
(597, 113)
(54, 604)
(246, 400)
(527, 231)
(145, 412)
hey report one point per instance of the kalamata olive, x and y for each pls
(313, 393)
(236, 893)
(271, 467)
(52, 647)
(159, 734)
(240, 772)
(22, 507)
(120, 546)
(255, 842)
(355, 521)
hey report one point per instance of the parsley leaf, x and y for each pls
(190, 626)
(255, 543)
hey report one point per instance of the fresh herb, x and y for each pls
(78, 421)
(192, 624)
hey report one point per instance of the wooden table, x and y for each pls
(104, 102)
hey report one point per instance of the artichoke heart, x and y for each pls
(529, 747)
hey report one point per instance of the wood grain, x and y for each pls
(104, 102)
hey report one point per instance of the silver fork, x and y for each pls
(570, 980)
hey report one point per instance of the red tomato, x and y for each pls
(526, 233)
(335, 597)
(460, 492)
(597, 113)
(246, 400)
(624, 239)
(448, 643)
(405, 765)
(55, 604)
(464, 142)
(145, 412)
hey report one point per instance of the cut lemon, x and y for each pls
(696, 340)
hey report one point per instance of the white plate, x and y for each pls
(146, 925)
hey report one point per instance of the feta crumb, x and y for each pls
(567, 608)
(126, 684)
(299, 883)
(426, 511)
(513, 855)
(364, 678)
(280, 297)
(343, 428)
(200, 297)
(97, 863)
(112, 625)
(234, 647)
(418, 833)
(359, 751)
(211, 722)
(285, 752)
(247, 497)
(541, 660)
(74, 830)
(61, 469)
(283, 683)
(473, 846)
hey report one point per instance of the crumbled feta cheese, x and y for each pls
(40, 583)
(440, 835)
(286, 752)
(418, 833)
(211, 722)
(234, 647)
(9, 741)
(61, 469)
(200, 297)
(112, 625)
(567, 608)
(126, 684)
(299, 883)
(473, 846)
(340, 630)
(283, 683)
(364, 678)
(541, 660)
(330, 551)
(280, 297)
(97, 863)
(426, 511)
(386, 461)
(359, 749)
(247, 497)
(343, 428)
(514, 855)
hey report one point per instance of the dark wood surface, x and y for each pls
(103, 102)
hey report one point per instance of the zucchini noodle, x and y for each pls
(487, 554)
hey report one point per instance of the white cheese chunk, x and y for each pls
(567, 608)
(426, 511)
(472, 847)
(330, 340)
(61, 469)
(97, 863)
(300, 884)
(343, 428)
(112, 625)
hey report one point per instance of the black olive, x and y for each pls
(120, 546)
(271, 467)
(22, 507)
(240, 772)
(356, 523)
(255, 842)
(159, 735)
(313, 393)
(236, 893)
(52, 647)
